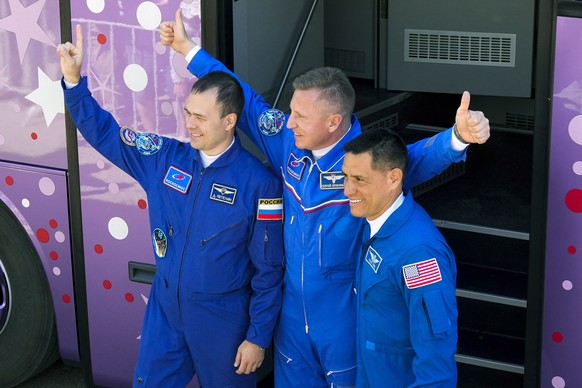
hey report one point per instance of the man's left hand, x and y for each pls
(473, 126)
(249, 358)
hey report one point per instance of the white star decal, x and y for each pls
(145, 299)
(23, 22)
(49, 96)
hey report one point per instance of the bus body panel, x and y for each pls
(562, 336)
(144, 85)
(38, 199)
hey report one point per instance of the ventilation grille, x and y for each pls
(388, 122)
(459, 47)
(519, 121)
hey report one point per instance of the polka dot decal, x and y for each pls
(562, 311)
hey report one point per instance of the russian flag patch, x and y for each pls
(270, 209)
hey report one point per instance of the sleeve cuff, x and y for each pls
(192, 53)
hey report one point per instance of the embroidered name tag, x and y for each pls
(333, 180)
(373, 259)
(223, 193)
(177, 179)
(422, 273)
(270, 209)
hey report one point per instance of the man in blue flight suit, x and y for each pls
(317, 323)
(405, 283)
(216, 226)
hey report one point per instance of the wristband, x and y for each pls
(458, 135)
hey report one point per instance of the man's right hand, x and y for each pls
(72, 58)
(174, 34)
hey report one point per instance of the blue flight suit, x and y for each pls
(218, 241)
(407, 309)
(322, 240)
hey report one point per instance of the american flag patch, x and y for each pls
(422, 273)
(270, 209)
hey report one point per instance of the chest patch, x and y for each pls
(148, 143)
(271, 122)
(422, 273)
(223, 193)
(270, 209)
(295, 166)
(177, 179)
(373, 259)
(160, 242)
(333, 180)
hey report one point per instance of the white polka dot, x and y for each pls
(2, 140)
(135, 77)
(100, 164)
(575, 129)
(59, 236)
(558, 382)
(25, 202)
(160, 48)
(57, 271)
(96, 6)
(167, 108)
(118, 228)
(567, 285)
(577, 168)
(113, 188)
(180, 66)
(149, 15)
(46, 186)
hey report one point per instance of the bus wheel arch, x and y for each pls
(27, 321)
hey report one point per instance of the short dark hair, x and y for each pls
(387, 148)
(229, 93)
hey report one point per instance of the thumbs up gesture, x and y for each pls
(472, 126)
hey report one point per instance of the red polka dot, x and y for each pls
(107, 284)
(557, 337)
(42, 235)
(9, 180)
(34, 136)
(573, 200)
(54, 255)
(101, 38)
(53, 224)
(98, 249)
(142, 204)
(129, 297)
(66, 299)
(571, 250)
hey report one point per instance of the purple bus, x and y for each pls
(76, 259)
(72, 224)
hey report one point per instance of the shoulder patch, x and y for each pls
(271, 122)
(270, 209)
(148, 143)
(127, 135)
(422, 273)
